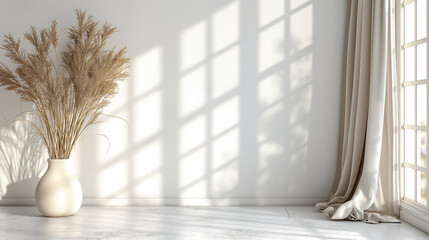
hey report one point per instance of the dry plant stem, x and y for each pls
(69, 90)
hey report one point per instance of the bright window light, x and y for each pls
(414, 87)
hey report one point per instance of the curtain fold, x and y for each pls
(366, 185)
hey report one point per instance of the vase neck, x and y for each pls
(59, 164)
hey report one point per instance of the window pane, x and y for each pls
(402, 182)
(421, 187)
(410, 188)
(410, 117)
(410, 64)
(409, 22)
(402, 26)
(421, 61)
(402, 65)
(402, 107)
(421, 19)
(402, 144)
(410, 146)
(421, 148)
(422, 105)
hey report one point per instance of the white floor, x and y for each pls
(193, 223)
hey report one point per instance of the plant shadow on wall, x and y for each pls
(22, 153)
(222, 105)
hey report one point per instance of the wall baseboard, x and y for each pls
(304, 201)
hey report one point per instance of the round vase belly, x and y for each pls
(58, 193)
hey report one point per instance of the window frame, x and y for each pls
(411, 210)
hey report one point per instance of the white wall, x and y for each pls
(228, 102)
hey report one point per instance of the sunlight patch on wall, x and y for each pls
(225, 116)
(300, 77)
(296, 3)
(146, 167)
(269, 122)
(301, 29)
(147, 116)
(270, 10)
(113, 180)
(224, 149)
(192, 174)
(301, 72)
(193, 47)
(298, 155)
(225, 179)
(117, 132)
(225, 26)
(299, 136)
(225, 72)
(268, 152)
(192, 134)
(301, 94)
(270, 89)
(271, 46)
(302, 105)
(147, 71)
(192, 91)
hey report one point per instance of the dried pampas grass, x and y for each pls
(69, 90)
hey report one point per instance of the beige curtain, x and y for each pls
(366, 185)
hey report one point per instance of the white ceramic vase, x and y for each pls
(58, 193)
